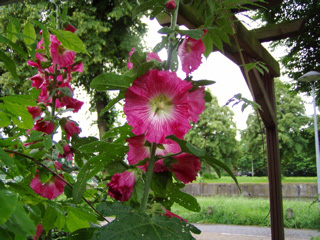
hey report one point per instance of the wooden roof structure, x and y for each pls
(260, 86)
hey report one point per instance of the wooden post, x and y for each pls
(274, 170)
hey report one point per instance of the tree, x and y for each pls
(294, 129)
(107, 29)
(304, 50)
(216, 132)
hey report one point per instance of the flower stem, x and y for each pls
(174, 17)
(149, 177)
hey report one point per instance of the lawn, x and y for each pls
(225, 179)
(250, 211)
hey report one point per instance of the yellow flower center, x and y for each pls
(161, 105)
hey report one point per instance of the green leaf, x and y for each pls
(9, 64)
(208, 97)
(174, 61)
(6, 160)
(47, 142)
(193, 33)
(49, 218)
(160, 45)
(70, 41)
(22, 220)
(123, 132)
(23, 118)
(144, 7)
(110, 81)
(14, 46)
(66, 91)
(217, 41)
(4, 118)
(8, 203)
(13, 28)
(145, 67)
(208, 44)
(213, 162)
(112, 103)
(184, 200)
(25, 100)
(74, 222)
(29, 34)
(200, 83)
(138, 191)
(187, 147)
(166, 30)
(137, 58)
(133, 225)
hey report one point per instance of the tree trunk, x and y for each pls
(105, 121)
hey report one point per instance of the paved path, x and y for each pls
(230, 232)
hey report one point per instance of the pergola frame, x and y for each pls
(261, 87)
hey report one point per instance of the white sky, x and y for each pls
(228, 77)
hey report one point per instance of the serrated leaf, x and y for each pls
(193, 33)
(144, 68)
(49, 218)
(70, 41)
(9, 64)
(217, 41)
(25, 100)
(74, 222)
(110, 81)
(123, 132)
(4, 118)
(184, 200)
(22, 221)
(23, 118)
(134, 225)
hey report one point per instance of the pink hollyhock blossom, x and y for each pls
(171, 214)
(130, 64)
(71, 128)
(69, 102)
(121, 186)
(35, 111)
(38, 81)
(139, 151)
(153, 55)
(171, 4)
(190, 54)
(45, 126)
(197, 103)
(70, 28)
(58, 165)
(60, 55)
(67, 153)
(157, 105)
(38, 232)
(186, 167)
(52, 189)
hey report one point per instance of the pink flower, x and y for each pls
(58, 165)
(35, 111)
(70, 28)
(157, 105)
(45, 126)
(38, 232)
(171, 214)
(121, 186)
(51, 189)
(67, 153)
(171, 4)
(38, 81)
(60, 55)
(71, 128)
(153, 55)
(69, 102)
(190, 54)
(197, 103)
(186, 167)
(139, 151)
(130, 64)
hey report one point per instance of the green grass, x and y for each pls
(250, 211)
(224, 179)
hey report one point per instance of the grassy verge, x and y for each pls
(224, 179)
(250, 211)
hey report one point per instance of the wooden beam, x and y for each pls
(6, 2)
(279, 31)
(255, 4)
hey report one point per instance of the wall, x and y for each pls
(289, 190)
